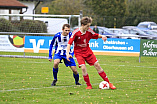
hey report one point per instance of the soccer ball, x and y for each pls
(104, 85)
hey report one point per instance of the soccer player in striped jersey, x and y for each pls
(60, 41)
(82, 51)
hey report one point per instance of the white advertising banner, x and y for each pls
(12, 43)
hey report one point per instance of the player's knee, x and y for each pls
(97, 66)
(84, 70)
(75, 72)
(55, 64)
(83, 67)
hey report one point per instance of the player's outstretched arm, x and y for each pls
(67, 52)
(104, 38)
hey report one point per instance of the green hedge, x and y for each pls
(6, 26)
(32, 26)
(28, 26)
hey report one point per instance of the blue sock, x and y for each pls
(76, 77)
(55, 71)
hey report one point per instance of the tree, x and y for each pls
(65, 7)
(108, 9)
(108, 13)
(141, 10)
(103, 12)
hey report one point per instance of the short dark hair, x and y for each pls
(65, 25)
(86, 20)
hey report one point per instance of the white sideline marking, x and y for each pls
(131, 66)
(65, 86)
(87, 64)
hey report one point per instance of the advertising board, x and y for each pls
(12, 43)
(115, 46)
(40, 44)
(37, 44)
(148, 48)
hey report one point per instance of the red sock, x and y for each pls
(86, 79)
(103, 76)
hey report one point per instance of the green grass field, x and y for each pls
(28, 81)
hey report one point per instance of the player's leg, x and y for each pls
(57, 59)
(81, 62)
(92, 60)
(103, 74)
(86, 76)
(75, 75)
(72, 65)
(55, 68)
(55, 71)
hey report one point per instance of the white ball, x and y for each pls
(104, 85)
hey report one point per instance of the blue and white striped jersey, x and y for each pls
(60, 43)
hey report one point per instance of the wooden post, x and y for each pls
(21, 17)
(9, 13)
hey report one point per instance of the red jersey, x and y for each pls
(81, 40)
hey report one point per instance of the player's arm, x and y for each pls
(67, 52)
(51, 49)
(104, 38)
(96, 36)
(69, 47)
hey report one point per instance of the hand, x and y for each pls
(50, 60)
(69, 56)
(104, 38)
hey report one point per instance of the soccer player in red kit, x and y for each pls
(82, 51)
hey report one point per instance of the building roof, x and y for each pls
(28, 0)
(11, 4)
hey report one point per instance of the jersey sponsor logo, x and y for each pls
(63, 47)
(82, 45)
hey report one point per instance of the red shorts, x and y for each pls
(91, 59)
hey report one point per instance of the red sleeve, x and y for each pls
(94, 35)
(72, 38)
